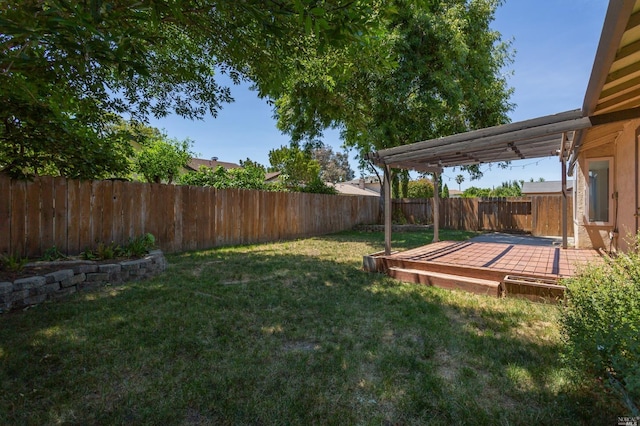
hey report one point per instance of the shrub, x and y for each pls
(53, 253)
(421, 188)
(601, 324)
(12, 263)
(139, 246)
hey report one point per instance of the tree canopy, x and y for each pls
(334, 166)
(386, 73)
(161, 159)
(434, 68)
(69, 69)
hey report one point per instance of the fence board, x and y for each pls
(5, 214)
(107, 211)
(95, 213)
(60, 202)
(128, 221)
(117, 228)
(201, 220)
(73, 217)
(18, 220)
(86, 236)
(32, 218)
(47, 214)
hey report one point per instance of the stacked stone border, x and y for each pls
(75, 276)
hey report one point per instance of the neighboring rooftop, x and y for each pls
(547, 187)
(212, 163)
(351, 189)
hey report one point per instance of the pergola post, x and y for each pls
(436, 207)
(387, 210)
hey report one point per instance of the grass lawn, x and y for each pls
(290, 333)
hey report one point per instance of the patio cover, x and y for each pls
(612, 96)
(540, 137)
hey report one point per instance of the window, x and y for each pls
(600, 189)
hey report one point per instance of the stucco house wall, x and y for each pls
(621, 148)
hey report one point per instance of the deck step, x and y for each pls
(536, 289)
(448, 281)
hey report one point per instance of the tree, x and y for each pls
(296, 165)
(475, 192)
(459, 180)
(247, 177)
(69, 69)
(445, 191)
(160, 159)
(435, 68)
(421, 188)
(334, 167)
(249, 163)
(507, 189)
(300, 172)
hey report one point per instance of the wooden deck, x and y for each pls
(488, 268)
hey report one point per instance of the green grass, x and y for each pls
(289, 333)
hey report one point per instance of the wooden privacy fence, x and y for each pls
(75, 215)
(539, 215)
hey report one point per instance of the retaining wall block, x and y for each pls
(97, 276)
(110, 268)
(51, 288)
(85, 268)
(130, 265)
(74, 280)
(29, 283)
(18, 295)
(6, 287)
(58, 276)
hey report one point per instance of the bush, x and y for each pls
(601, 324)
(421, 188)
(12, 263)
(139, 246)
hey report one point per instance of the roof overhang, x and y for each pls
(613, 96)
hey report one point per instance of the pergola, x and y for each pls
(552, 135)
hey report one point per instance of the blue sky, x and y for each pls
(555, 43)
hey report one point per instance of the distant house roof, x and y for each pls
(366, 179)
(350, 189)
(272, 176)
(547, 187)
(195, 164)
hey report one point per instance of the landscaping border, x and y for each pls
(73, 276)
